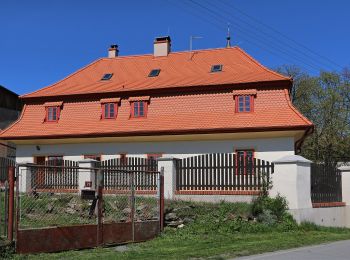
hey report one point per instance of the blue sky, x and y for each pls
(43, 41)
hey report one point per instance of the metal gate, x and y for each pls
(326, 183)
(6, 219)
(50, 219)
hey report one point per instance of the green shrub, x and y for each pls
(277, 206)
(267, 217)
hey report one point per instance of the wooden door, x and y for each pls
(39, 177)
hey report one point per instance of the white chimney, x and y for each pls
(113, 51)
(162, 46)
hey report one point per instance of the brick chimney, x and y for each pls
(113, 51)
(162, 46)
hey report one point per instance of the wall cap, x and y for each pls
(344, 168)
(170, 158)
(88, 160)
(292, 159)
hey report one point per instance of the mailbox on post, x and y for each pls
(88, 194)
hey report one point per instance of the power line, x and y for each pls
(276, 40)
(220, 27)
(281, 34)
(258, 41)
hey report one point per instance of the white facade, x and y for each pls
(269, 149)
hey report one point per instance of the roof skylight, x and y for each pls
(107, 76)
(154, 73)
(216, 68)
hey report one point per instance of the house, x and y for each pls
(10, 107)
(162, 104)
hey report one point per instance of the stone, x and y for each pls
(183, 208)
(187, 220)
(70, 211)
(122, 248)
(180, 226)
(171, 216)
(49, 208)
(127, 210)
(174, 223)
(141, 207)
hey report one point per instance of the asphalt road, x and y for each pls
(333, 251)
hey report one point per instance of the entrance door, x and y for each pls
(39, 177)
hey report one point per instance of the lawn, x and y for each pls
(47, 209)
(218, 231)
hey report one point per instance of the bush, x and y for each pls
(264, 206)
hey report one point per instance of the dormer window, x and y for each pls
(244, 103)
(216, 68)
(107, 76)
(139, 106)
(138, 109)
(109, 110)
(52, 113)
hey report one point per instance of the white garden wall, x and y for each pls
(268, 149)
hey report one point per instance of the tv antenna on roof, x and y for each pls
(191, 43)
(228, 37)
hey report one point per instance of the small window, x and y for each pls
(246, 154)
(107, 76)
(244, 103)
(216, 68)
(55, 160)
(52, 114)
(138, 109)
(245, 162)
(154, 73)
(109, 110)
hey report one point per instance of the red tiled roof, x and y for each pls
(178, 69)
(166, 115)
(176, 113)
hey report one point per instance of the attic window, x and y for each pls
(154, 73)
(216, 68)
(244, 103)
(107, 76)
(138, 109)
(52, 113)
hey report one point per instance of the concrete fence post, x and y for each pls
(169, 176)
(87, 175)
(25, 177)
(292, 180)
(345, 182)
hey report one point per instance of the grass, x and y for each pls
(219, 231)
(48, 209)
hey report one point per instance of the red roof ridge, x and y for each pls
(296, 111)
(70, 75)
(242, 55)
(171, 53)
(262, 66)
(15, 122)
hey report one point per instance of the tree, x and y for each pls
(325, 100)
